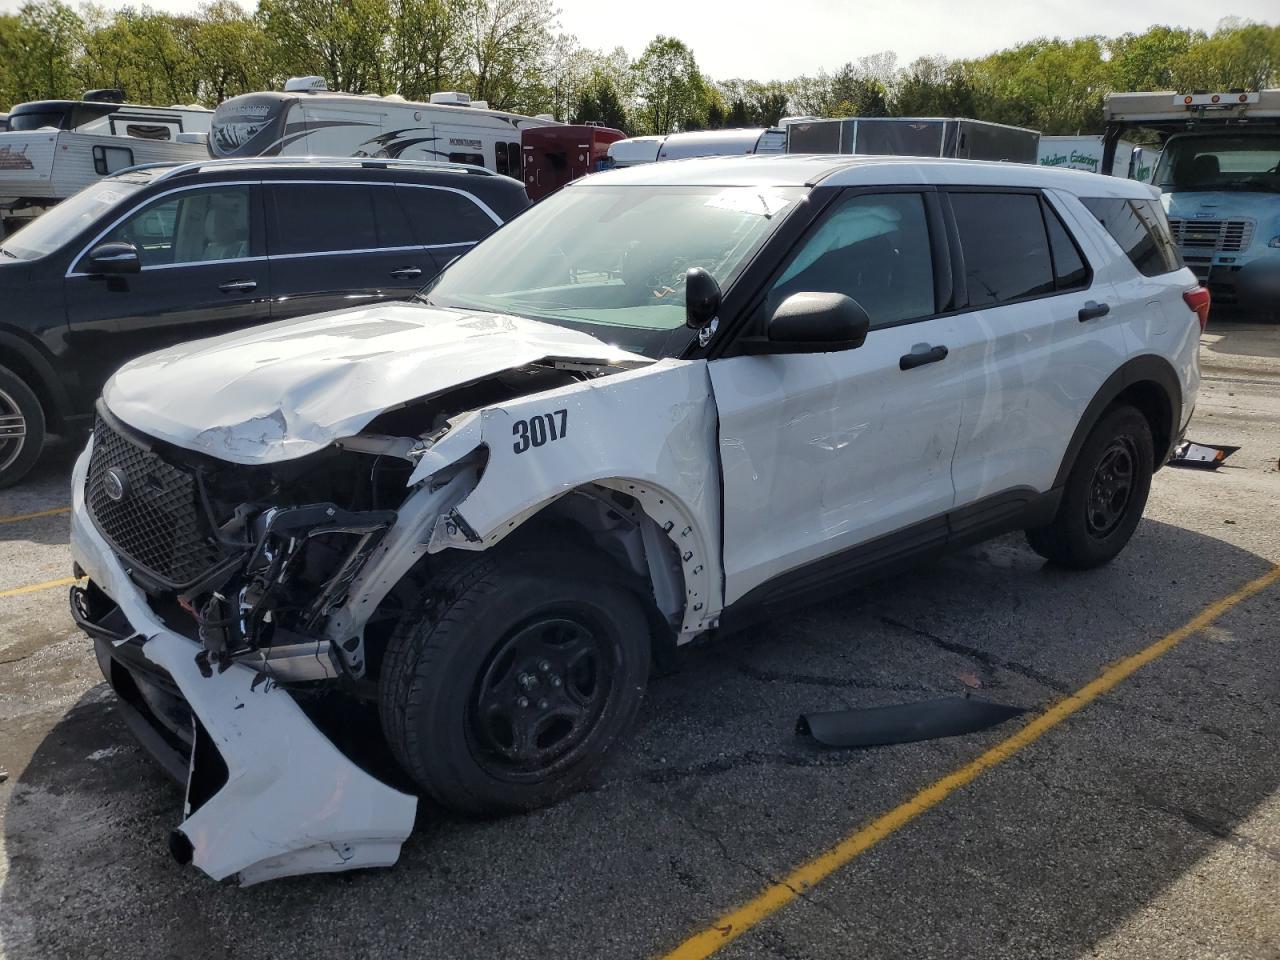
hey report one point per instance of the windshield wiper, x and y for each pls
(9, 253)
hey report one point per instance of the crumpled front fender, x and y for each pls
(649, 433)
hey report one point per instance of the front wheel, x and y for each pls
(1105, 493)
(22, 428)
(514, 681)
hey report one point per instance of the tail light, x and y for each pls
(1198, 300)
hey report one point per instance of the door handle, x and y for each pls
(238, 286)
(1092, 310)
(921, 354)
(406, 273)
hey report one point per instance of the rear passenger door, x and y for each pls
(1033, 343)
(334, 245)
(446, 221)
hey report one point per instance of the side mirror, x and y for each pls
(114, 258)
(701, 298)
(815, 323)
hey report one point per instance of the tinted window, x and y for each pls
(1142, 231)
(442, 216)
(1005, 248)
(37, 120)
(474, 159)
(1068, 265)
(147, 131)
(873, 248)
(322, 217)
(391, 219)
(111, 159)
(513, 159)
(192, 227)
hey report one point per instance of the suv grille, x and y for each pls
(154, 518)
(1228, 236)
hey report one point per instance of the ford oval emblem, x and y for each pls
(115, 484)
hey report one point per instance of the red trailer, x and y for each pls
(555, 155)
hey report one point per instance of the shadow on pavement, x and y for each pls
(1043, 857)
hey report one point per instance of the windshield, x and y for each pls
(37, 119)
(1229, 162)
(611, 260)
(51, 230)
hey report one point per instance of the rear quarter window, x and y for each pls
(444, 217)
(1142, 231)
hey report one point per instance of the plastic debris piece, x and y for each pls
(905, 722)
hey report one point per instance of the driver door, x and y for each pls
(834, 460)
(202, 274)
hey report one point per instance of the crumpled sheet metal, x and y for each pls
(292, 802)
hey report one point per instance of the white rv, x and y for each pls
(54, 148)
(307, 119)
(1085, 153)
(697, 143)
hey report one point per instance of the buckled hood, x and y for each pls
(291, 388)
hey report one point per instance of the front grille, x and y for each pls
(1226, 236)
(154, 518)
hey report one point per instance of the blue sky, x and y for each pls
(766, 39)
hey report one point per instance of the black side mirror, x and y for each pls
(114, 258)
(701, 298)
(814, 323)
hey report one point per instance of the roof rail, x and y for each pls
(368, 163)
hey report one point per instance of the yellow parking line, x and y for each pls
(35, 516)
(36, 587)
(777, 895)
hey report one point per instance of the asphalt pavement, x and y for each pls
(1145, 821)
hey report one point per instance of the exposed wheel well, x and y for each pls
(1155, 404)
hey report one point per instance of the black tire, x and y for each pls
(22, 428)
(457, 671)
(1105, 493)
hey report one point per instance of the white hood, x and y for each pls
(291, 388)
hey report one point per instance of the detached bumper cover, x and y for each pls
(291, 802)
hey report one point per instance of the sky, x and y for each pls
(752, 38)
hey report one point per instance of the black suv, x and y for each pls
(157, 255)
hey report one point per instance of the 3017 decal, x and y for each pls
(539, 430)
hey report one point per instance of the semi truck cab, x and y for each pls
(1219, 179)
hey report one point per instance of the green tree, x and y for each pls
(340, 40)
(426, 47)
(38, 48)
(508, 45)
(669, 85)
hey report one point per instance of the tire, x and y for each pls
(1105, 493)
(515, 678)
(22, 428)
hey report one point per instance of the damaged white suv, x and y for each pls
(662, 402)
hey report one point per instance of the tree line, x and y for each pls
(514, 55)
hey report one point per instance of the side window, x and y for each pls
(873, 248)
(475, 159)
(1141, 230)
(443, 217)
(1005, 247)
(391, 219)
(147, 131)
(192, 227)
(500, 159)
(1069, 268)
(323, 218)
(110, 159)
(513, 159)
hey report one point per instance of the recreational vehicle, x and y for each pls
(54, 148)
(953, 137)
(308, 119)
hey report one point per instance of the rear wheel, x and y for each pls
(22, 428)
(514, 681)
(1105, 493)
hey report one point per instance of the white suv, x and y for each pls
(664, 401)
